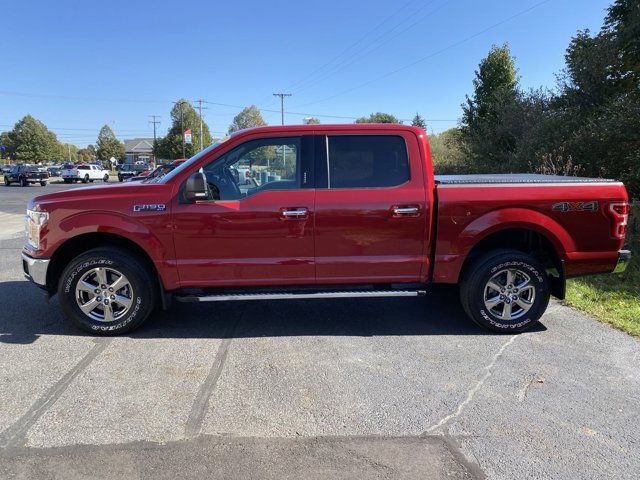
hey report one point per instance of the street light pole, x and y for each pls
(282, 95)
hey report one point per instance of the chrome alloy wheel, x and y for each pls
(104, 294)
(509, 294)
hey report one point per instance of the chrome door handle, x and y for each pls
(294, 213)
(405, 210)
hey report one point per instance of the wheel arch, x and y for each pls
(84, 242)
(525, 239)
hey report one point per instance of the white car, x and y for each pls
(84, 174)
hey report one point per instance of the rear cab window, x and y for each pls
(365, 161)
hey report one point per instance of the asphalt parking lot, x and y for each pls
(379, 388)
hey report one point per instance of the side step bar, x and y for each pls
(294, 296)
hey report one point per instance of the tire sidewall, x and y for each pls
(539, 280)
(142, 294)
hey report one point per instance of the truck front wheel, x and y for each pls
(107, 291)
(505, 291)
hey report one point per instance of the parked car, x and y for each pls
(6, 168)
(357, 213)
(54, 171)
(25, 175)
(159, 171)
(84, 173)
(129, 170)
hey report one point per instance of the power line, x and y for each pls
(366, 50)
(431, 55)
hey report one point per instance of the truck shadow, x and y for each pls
(26, 316)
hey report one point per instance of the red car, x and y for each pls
(332, 211)
(159, 171)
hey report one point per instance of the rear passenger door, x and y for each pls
(370, 207)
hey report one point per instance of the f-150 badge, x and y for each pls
(575, 207)
(150, 207)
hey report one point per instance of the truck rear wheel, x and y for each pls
(505, 291)
(107, 291)
(86, 178)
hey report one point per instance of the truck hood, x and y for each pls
(104, 197)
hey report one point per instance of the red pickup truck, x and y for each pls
(325, 211)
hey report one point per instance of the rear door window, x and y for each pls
(367, 161)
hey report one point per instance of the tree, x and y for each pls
(31, 141)
(87, 154)
(183, 117)
(69, 152)
(108, 145)
(378, 117)
(496, 76)
(4, 145)
(247, 118)
(418, 121)
(312, 121)
(445, 152)
(485, 136)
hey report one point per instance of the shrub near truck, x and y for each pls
(334, 211)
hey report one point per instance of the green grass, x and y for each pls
(614, 299)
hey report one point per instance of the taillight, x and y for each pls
(620, 213)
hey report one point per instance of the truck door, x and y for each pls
(258, 228)
(371, 210)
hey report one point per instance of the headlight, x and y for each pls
(35, 220)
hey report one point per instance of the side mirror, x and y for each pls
(196, 188)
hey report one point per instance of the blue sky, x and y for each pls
(83, 64)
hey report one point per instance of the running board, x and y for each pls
(297, 296)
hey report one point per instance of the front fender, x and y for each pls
(151, 232)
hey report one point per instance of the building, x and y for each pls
(138, 150)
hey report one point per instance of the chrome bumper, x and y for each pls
(624, 257)
(35, 269)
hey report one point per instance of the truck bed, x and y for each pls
(512, 178)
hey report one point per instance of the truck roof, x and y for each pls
(347, 127)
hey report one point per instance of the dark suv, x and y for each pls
(26, 174)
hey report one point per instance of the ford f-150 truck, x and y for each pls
(332, 211)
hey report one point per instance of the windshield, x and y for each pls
(168, 176)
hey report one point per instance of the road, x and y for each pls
(378, 388)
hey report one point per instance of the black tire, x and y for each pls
(120, 179)
(6, 182)
(23, 182)
(534, 295)
(91, 181)
(105, 179)
(86, 178)
(43, 184)
(143, 295)
(66, 180)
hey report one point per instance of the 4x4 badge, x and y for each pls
(575, 207)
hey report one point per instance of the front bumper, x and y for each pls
(624, 257)
(35, 269)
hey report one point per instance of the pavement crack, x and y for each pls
(15, 435)
(472, 392)
(200, 405)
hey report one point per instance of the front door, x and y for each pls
(371, 214)
(258, 227)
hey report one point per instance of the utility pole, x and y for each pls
(184, 155)
(154, 120)
(282, 95)
(200, 108)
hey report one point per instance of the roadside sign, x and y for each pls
(187, 136)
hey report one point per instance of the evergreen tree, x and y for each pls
(418, 121)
